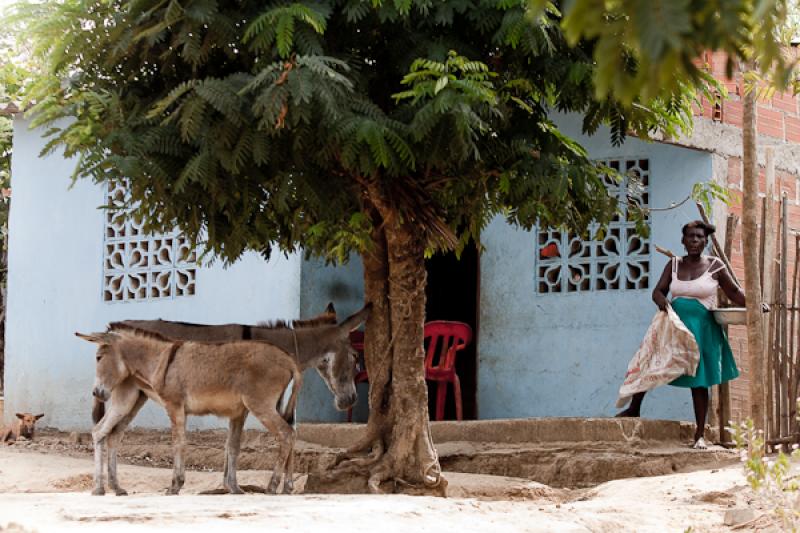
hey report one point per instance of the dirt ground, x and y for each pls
(556, 464)
(44, 486)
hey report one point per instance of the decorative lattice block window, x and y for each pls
(618, 259)
(139, 266)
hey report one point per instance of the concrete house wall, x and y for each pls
(539, 354)
(550, 354)
(54, 289)
(566, 354)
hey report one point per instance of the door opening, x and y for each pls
(452, 293)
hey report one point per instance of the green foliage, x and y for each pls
(255, 125)
(14, 76)
(770, 477)
(648, 47)
(706, 192)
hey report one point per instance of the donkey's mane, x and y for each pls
(322, 320)
(138, 332)
(299, 323)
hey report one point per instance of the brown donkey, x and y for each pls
(265, 331)
(326, 347)
(186, 331)
(193, 378)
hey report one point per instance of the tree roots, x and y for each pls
(368, 458)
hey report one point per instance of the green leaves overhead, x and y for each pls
(277, 26)
(261, 124)
(644, 48)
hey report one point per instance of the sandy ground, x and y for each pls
(47, 492)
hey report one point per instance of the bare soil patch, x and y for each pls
(46, 492)
(555, 464)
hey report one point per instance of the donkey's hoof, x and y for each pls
(121, 492)
(100, 491)
(172, 491)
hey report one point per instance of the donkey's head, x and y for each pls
(110, 369)
(338, 366)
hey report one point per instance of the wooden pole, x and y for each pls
(768, 237)
(771, 292)
(792, 345)
(717, 248)
(724, 401)
(755, 329)
(763, 226)
(771, 334)
(784, 299)
(665, 251)
(773, 373)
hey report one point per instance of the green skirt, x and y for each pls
(716, 358)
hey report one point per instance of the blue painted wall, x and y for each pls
(539, 354)
(344, 286)
(54, 289)
(566, 354)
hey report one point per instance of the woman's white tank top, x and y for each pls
(702, 289)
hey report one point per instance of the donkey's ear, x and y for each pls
(352, 322)
(97, 338)
(20, 415)
(330, 309)
(37, 417)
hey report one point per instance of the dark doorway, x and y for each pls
(452, 294)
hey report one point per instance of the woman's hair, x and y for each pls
(708, 229)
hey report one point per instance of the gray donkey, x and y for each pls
(226, 379)
(186, 331)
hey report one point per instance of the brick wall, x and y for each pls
(778, 116)
(778, 123)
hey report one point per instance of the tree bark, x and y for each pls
(396, 452)
(755, 339)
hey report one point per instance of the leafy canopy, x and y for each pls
(642, 47)
(260, 124)
(14, 75)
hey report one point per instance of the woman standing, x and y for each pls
(693, 281)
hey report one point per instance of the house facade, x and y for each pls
(556, 317)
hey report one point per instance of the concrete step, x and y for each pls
(527, 430)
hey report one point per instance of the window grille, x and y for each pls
(139, 266)
(618, 259)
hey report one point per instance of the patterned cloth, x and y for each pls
(668, 351)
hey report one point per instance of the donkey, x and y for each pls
(187, 331)
(227, 380)
(168, 379)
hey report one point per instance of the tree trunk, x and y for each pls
(400, 455)
(755, 340)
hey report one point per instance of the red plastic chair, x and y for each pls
(444, 339)
(357, 342)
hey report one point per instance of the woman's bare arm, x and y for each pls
(662, 287)
(729, 287)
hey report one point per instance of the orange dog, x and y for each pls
(22, 427)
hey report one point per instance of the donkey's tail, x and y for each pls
(288, 410)
(98, 409)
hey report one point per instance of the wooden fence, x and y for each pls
(779, 252)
